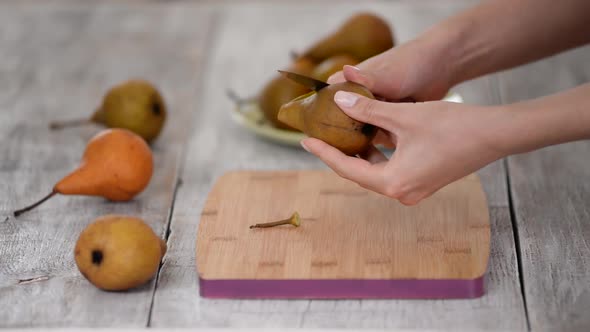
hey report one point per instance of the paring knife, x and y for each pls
(312, 83)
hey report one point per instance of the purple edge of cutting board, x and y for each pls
(343, 288)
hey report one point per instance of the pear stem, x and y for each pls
(294, 55)
(293, 220)
(32, 206)
(68, 123)
(231, 94)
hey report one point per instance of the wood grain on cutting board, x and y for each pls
(347, 232)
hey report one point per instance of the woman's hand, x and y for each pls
(437, 143)
(481, 40)
(440, 142)
(420, 70)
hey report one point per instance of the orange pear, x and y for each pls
(117, 165)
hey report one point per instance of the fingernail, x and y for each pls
(360, 77)
(357, 72)
(353, 68)
(304, 146)
(345, 99)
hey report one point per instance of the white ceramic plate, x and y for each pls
(250, 116)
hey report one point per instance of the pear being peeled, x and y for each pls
(317, 115)
(281, 90)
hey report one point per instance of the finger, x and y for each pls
(363, 109)
(373, 155)
(359, 76)
(337, 77)
(385, 139)
(351, 168)
(354, 74)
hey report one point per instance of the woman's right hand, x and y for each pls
(419, 70)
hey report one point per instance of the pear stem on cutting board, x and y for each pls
(293, 220)
(34, 205)
(69, 123)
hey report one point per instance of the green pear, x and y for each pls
(135, 105)
(317, 115)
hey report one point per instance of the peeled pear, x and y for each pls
(317, 115)
(117, 252)
(362, 36)
(117, 164)
(135, 105)
(332, 65)
(281, 90)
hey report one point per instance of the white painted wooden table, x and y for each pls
(57, 59)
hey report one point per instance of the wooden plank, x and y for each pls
(218, 145)
(551, 194)
(55, 63)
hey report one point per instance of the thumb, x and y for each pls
(363, 109)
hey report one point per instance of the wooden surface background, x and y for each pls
(58, 57)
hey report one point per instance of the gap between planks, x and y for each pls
(213, 30)
(498, 95)
(516, 243)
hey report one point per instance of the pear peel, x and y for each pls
(317, 115)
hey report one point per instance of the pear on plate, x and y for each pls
(362, 36)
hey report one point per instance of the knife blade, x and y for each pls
(312, 83)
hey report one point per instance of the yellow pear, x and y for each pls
(118, 252)
(135, 105)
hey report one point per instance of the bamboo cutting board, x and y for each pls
(352, 243)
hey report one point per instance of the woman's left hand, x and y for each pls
(436, 143)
